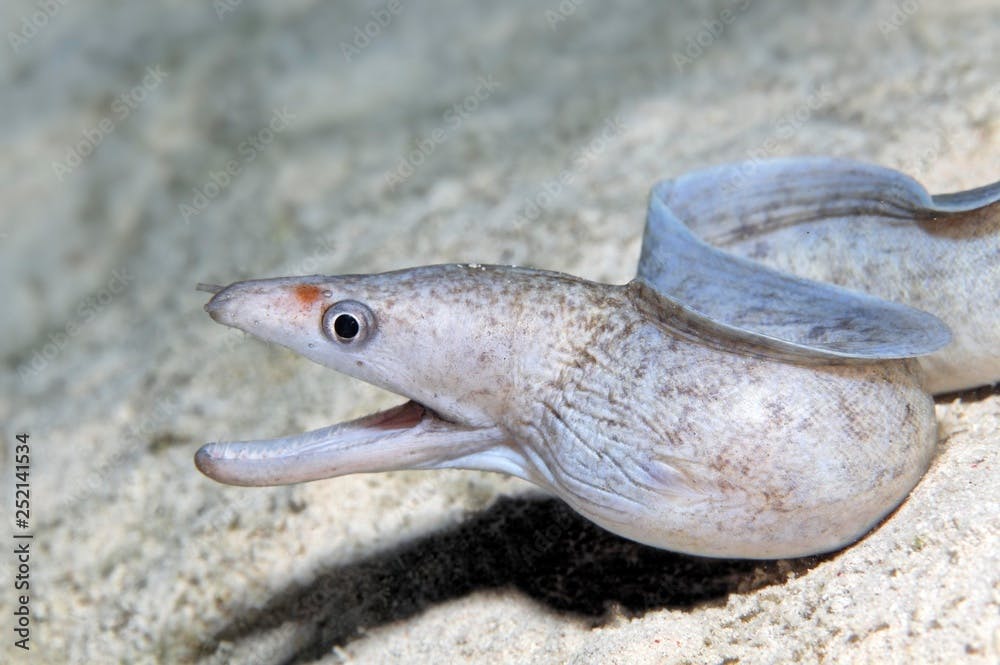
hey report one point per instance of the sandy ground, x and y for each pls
(149, 148)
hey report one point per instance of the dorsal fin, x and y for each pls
(781, 315)
(733, 202)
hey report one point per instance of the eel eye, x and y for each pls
(348, 322)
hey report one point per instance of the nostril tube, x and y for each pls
(208, 288)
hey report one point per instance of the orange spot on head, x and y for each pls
(307, 294)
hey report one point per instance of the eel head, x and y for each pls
(420, 333)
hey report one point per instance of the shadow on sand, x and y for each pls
(538, 546)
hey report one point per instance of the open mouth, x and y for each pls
(400, 437)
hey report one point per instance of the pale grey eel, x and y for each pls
(710, 406)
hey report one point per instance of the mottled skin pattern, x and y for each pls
(858, 226)
(586, 390)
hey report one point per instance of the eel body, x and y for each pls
(732, 400)
(710, 406)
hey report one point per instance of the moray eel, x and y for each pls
(868, 228)
(711, 406)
